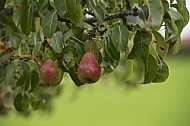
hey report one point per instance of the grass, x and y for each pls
(105, 104)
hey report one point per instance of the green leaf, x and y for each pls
(8, 73)
(27, 19)
(67, 35)
(17, 12)
(119, 36)
(99, 14)
(132, 54)
(23, 48)
(155, 13)
(171, 31)
(69, 59)
(163, 73)
(185, 15)
(74, 76)
(177, 46)
(181, 4)
(178, 19)
(26, 75)
(161, 46)
(49, 24)
(62, 7)
(141, 44)
(56, 41)
(143, 13)
(111, 56)
(34, 80)
(69, 9)
(77, 14)
(22, 102)
(21, 80)
(36, 49)
(8, 99)
(151, 69)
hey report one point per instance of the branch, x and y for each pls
(91, 20)
(112, 16)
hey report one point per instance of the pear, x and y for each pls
(50, 73)
(89, 70)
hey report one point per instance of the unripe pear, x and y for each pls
(89, 70)
(50, 73)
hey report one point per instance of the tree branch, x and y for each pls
(112, 16)
(91, 20)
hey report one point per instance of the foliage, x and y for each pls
(121, 32)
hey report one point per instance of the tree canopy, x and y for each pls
(135, 35)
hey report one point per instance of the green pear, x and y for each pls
(89, 70)
(50, 73)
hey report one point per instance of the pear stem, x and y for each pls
(92, 34)
(91, 44)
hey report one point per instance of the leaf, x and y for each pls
(8, 73)
(111, 56)
(17, 12)
(62, 7)
(23, 48)
(49, 24)
(69, 59)
(177, 46)
(22, 102)
(26, 75)
(132, 54)
(69, 9)
(74, 76)
(8, 99)
(77, 14)
(56, 41)
(185, 15)
(99, 14)
(67, 35)
(34, 80)
(119, 37)
(171, 31)
(161, 46)
(36, 49)
(141, 44)
(151, 69)
(27, 19)
(155, 13)
(178, 19)
(163, 73)
(143, 13)
(181, 4)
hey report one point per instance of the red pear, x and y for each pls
(89, 70)
(50, 73)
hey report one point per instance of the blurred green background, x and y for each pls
(106, 104)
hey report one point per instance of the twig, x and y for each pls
(91, 20)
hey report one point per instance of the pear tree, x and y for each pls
(41, 41)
